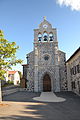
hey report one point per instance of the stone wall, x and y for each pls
(49, 66)
(46, 58)
(62, 70)
(46, 66)
(46, 70)
(73, 73)
(30, 71)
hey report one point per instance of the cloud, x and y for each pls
(73, 4)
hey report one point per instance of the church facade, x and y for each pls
(46, 68)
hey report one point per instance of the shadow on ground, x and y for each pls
(21, 96)
(34, 110)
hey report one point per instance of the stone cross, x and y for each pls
(44, 17)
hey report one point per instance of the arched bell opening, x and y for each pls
(39, 37)
(46, 83)
(45, 36)
(51, 37)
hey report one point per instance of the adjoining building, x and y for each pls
(46, 64)
(23, 81)
(73, 72)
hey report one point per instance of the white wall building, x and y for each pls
(13, 76)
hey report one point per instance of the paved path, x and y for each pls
(10, 87)
(21, 106)
(49, 97)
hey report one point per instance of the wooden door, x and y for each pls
(46, 83)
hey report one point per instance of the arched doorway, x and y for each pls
(46, 83)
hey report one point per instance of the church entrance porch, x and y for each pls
(46, 83)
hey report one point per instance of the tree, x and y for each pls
(7, 55)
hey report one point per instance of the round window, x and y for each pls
(46, 57)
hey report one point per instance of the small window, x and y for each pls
(71, 71)
(74, 70)
(46, 57)
(78, 68)
(78, 83)
(73, 85)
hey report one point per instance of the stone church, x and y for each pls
(45, 69)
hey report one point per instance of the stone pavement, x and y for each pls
(49, 97)
(21, 106)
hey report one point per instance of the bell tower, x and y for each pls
(45, 33)
(46, 56)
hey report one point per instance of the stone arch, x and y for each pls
(42, 77)
(45, 36)
(45, 32)
(51, 37)
(39, 36)
(46, 83)
(50, 32)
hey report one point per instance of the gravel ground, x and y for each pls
(21, 106)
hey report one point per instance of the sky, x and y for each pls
(19, 18)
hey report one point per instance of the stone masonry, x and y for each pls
(46, 60)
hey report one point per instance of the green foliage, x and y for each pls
(7, 55)
(10, 82)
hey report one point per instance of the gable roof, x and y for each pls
(12, 72)
(73, 54)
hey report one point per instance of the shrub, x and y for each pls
(10, 82)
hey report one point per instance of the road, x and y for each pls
(21, 106)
